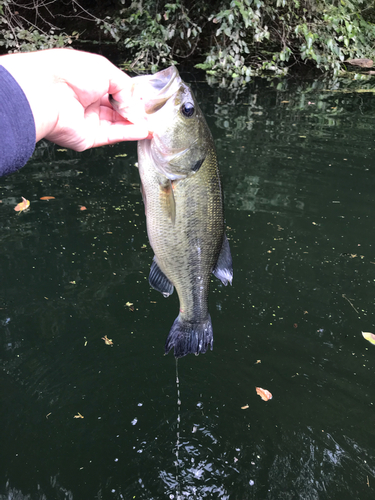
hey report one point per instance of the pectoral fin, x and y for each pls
(143, 193)
(159, 281)
(224, 266)
(168, 200)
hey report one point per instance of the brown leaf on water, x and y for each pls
(263, 393)
(79, 416)
(22, 206)
(107, 340)
(47, 198)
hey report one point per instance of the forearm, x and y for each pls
(17, 128)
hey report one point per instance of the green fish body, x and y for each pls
(183, 200)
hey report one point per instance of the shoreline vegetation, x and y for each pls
(232, 41)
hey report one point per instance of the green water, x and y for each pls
(298, 179)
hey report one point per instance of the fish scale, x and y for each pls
(182, 194)
(186, 251)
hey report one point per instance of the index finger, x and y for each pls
(119, 81)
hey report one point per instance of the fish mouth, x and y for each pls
(148, 93)
(165, 83)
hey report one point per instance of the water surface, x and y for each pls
(297, 170)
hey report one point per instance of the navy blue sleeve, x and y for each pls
(17, 126)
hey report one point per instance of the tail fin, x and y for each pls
(188, 337)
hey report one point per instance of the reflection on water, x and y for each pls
(296, 163)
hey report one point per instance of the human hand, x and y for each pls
(68, 95)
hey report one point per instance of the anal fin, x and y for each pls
(159, 281)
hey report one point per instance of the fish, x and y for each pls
(183, 199)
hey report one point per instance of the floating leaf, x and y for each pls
(244, 407)
(22, 206)
(263, 393)
(47, 198)
(79, 416)
(369, 336)
(107, 340)
(82, 208)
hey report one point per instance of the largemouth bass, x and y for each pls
(183, 201)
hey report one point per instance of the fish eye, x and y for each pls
(187, 109)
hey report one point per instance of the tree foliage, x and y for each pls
(237, 39)
(26, 25)
(231, 40)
